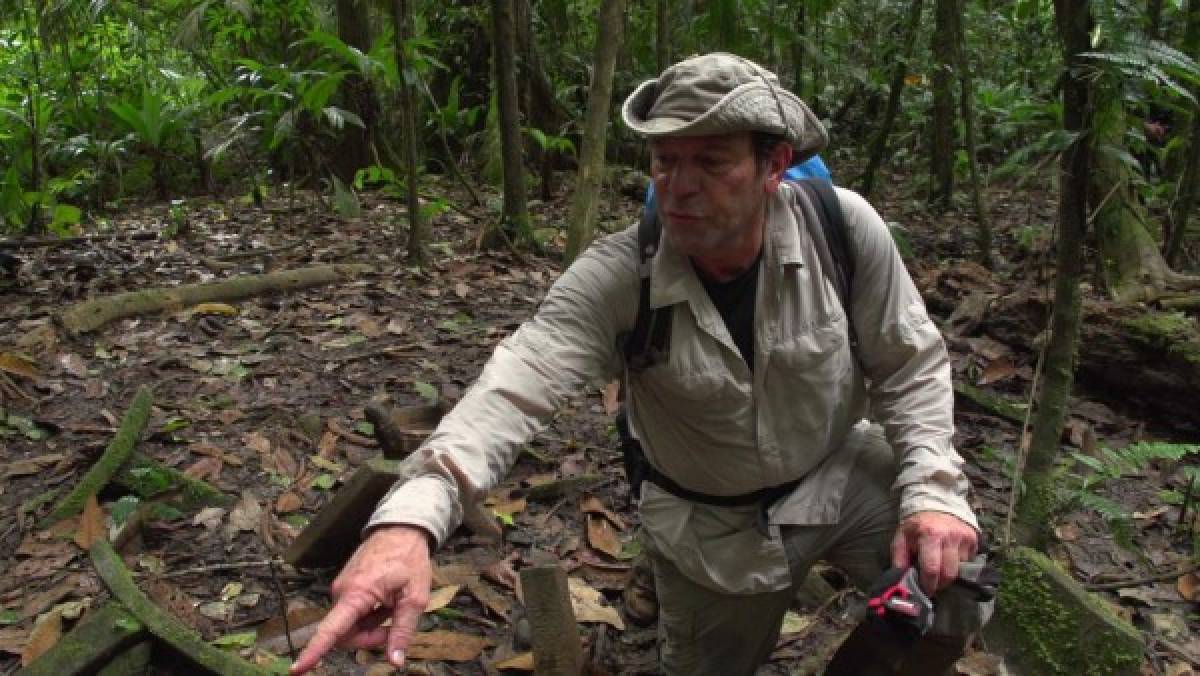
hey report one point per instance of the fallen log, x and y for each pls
(133, 660)
(92, 314)
(102, 635)
(161, 623)
(148, 478)
(115, 455)
(12, 244)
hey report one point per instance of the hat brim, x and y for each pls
(753, 106)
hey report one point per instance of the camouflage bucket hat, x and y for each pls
(722, 93)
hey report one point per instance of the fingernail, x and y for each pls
(398, 658)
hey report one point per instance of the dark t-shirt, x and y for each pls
(734, 301)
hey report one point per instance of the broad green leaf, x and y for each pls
(243, 639)
(426, 390)
(324, 482)
(365, 428)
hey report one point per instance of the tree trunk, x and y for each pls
(941, 150)
(799, 40)
(33, 95)
(662, 38)
(899, 69)
(591, 160)
(1185, 200)
(1131, 265)
(1038, 501)
(1154, 19)
(983, 227)
(354, 142)
(418, 233)
(515, 221)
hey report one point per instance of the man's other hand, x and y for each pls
(939, 542)
(388, 577)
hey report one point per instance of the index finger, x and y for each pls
(337, 623)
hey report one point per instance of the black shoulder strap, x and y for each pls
(833, 244)
(650, 341)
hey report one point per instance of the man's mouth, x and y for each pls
(677, 216)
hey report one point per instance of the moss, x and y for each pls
(1061, 627)
(1172, 332)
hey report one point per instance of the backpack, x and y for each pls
(649, 342)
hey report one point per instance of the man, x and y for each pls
(762, 389)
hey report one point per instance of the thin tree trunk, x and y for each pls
(941, 150)
(354, 143)
(1039, 499)
(662, 41)
(899, 69)
(1185, 200)
(591, 161)
(34, 93)
(799, 38)
(515, 221)
(1154, 19)
(983, 232)
(418, 233)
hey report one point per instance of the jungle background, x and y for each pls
(390, 187)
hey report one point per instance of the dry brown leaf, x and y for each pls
(981, 664)
(588, 604)
(592, 505)
(205, 469)
(461, 289)
(91, 524)
(12, 641)
(447, 645)
(522, 662)
(257, 442)
(288, 502)
(490, 598)
(612, 397)
(327, 447)
(1067, 532)
(502, 571)
(302, 622)
(245, 516)
(18, 366)
(506, 506)
(61, 590)
(73, 363)
(1188, 586)
(1179, 669)
(31, 465)
(1152, 514)
(43, 637)
(601, 535)
(285, 463)
(440, 598)
(997, 370)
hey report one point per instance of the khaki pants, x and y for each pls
(705, 632)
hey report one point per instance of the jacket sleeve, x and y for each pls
(907, 369)
(570, 342)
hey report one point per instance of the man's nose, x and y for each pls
(683, 179)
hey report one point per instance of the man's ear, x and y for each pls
(777, 164)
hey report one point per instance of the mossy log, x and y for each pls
(115, 455)
(148, 478)
(563, 487)
(1134, 358)
(102, 635)
(161, 623)
(1049, 624)
(92, 314)
(992, 403)
(133, 661)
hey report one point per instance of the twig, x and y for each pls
(287, 630)
(1175, 650)
(1137, 582)
(214, 568)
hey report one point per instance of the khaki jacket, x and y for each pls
(704, 418)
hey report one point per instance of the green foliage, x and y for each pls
(1084, 487)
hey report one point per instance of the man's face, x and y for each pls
(711, 190)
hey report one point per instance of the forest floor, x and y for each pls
(266, 403)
